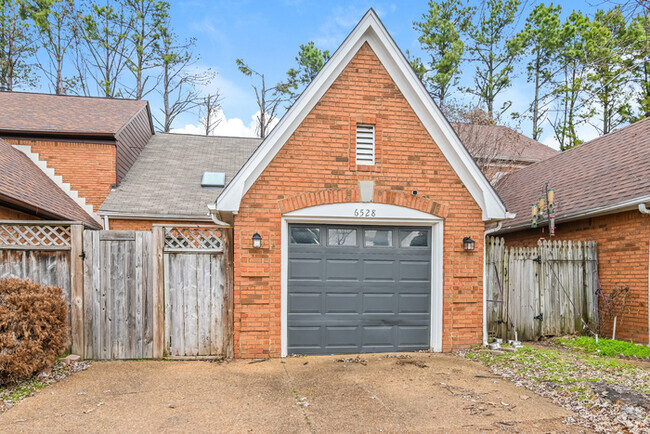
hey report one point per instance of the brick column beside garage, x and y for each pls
(316, 160)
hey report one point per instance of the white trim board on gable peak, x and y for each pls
(369, 30)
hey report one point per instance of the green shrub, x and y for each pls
(34, 328)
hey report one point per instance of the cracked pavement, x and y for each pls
(417, 392)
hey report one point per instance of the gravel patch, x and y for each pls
(606, 394)
(12, 395)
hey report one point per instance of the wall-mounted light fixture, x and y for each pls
(257, 240)
(468, 244)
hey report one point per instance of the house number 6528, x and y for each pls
(364, 212)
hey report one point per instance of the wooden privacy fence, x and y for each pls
(547, 290)
(47, 252)
(132, 294)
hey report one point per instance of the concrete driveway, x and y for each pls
(424, 392)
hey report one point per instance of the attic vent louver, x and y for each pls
(365, 145)
(213, 179)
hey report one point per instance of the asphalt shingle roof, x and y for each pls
(606, 171)
(22, 181)
(37, 112)
(501, 142)
(166, 178)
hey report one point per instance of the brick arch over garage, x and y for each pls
(327, 197)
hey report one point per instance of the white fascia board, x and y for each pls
(370, 30)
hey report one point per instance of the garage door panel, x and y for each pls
(304, 338)
(342, 337)
(342, 302)
(379, 270)
(365, 297)
(378, 337)
(414, 303)
(415, 271)
(379, 303)
(342, 269)
(414, 336)
(306, 302)
(305, 269)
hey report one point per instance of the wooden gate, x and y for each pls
(197, 299)
(118, 295)
(548, 290)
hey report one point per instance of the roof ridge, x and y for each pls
(204, 136)
(72, 96)
(580, 146)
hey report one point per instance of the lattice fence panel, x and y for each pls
(180, 239)
(23, 236)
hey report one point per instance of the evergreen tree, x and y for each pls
(440, 31)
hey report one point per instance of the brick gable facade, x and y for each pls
(315, 167)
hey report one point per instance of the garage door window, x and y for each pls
(304, 235)
(413, 238)
(342, 237)
(378, 238)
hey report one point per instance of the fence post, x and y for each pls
(77, 289)
(158, 293)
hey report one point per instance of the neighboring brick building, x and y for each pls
(499, 150)
(26, 193)
(601, 191)
(362, 196)
(86, 145)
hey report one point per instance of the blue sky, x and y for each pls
(267, 34)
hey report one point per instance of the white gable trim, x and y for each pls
(369, 30)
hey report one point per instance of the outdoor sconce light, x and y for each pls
(257, 240)
(468, 244)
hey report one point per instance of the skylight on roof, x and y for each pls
(213, 179)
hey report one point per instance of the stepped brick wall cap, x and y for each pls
(22, 181)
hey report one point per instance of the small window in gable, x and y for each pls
(365, 145)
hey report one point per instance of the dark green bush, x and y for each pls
(34, 328)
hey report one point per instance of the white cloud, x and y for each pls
(227, 126)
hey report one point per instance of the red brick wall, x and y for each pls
(316, 159)
(623, 252)
(89, 168)
(145, 225)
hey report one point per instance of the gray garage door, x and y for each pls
(358, 289)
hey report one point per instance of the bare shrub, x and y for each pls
(34, 328)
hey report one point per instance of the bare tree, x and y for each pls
(178, 83)
(495, 148)
(148, 19)
(269, 99)
(58, 31)
(17, 45)
(209, 108)
(104, 34)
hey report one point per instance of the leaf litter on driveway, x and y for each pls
(605, 394)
